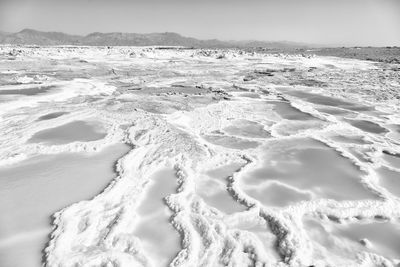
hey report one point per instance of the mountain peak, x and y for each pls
(33, 37)
(27, 30)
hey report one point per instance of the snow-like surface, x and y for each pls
(33, 189)
(212, 117)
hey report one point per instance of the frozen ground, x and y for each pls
(231, 158)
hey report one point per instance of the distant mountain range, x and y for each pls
(33, 37)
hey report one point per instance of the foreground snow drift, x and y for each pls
(236, 159)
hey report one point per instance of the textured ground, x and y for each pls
(272, 160)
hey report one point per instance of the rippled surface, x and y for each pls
(309, 166)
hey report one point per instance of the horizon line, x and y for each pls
(311, 45)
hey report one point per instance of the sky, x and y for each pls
(324, 22)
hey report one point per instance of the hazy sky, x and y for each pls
(332, 22)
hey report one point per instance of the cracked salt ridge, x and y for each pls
(264, 235)
(32, 190)
(161, 242)
(70, 132)
(341, 242)
(301, 169)
(361, 154)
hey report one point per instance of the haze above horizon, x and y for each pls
(325, 22)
